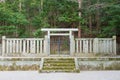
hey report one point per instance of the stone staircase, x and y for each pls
(59, 65)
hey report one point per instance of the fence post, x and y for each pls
(46, 45)
(3, 45)
(95, 45)
(72, 45)
(114, 45)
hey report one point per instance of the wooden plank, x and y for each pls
(28, 46)
(77, 46)
(17, 47)
(34, 46)
(24, 46)
(80, 44)
(7, 46)
(104, 46)
(14, 47)
(31, 46)
(83, 46)
(114, 45)
(107, 45)
(111, 46)
(25, 38)
(59, 34)
(100, 46)
(90, 47)
(41, 46)
(59, 29)
(96, 45)
(10, 46)
(86, 46)
(37, 46)
(3, 45)
(20, 46)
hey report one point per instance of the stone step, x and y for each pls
(66, 61)
(59, 59)
(69, 71)
(59, 65)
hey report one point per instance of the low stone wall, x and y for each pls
(20, 64)
(102, 63)
(99, 63)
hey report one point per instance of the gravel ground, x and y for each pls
(83, 75)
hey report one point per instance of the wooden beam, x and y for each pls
(59, 29)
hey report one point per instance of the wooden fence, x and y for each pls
(17, 46)
(41, 46)
(96, 45)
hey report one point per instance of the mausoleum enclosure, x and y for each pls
(57, 41)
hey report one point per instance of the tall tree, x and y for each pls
(79, 27)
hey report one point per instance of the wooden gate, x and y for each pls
(59, 45)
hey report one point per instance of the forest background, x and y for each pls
(25, 18)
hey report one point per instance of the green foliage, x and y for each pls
(17, 19)
(38, 33)
(7, 30)
(29, 16)
(40, 21)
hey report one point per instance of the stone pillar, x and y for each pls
(72, 45)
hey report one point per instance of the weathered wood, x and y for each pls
(95, 45)
(41, 51)
(28, 46)
(80, 44)
(77, 46)
(90, 47)
(3, 45)
(59, 29)
(114, 44)
(20, 41)
(22, 45)
(39, 45)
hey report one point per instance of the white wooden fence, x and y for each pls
(22, 45)
(40, 46)
(96, 45)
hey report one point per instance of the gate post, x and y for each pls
(72, 45)
(3, 45)
(46, 45)
(95, 45)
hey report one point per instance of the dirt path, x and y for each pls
(83, 75)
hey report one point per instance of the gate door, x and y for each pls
(59, 45)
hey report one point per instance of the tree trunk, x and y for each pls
(97, 18)
(20, 5)
(79, 27)
(90, 20)
(41, 5)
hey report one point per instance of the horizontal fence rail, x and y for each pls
(22, 45)
(95, 45)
